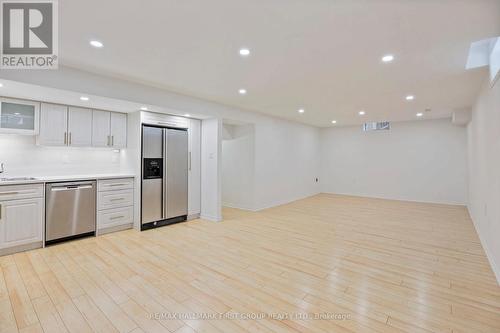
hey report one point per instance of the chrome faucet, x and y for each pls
(2, 170)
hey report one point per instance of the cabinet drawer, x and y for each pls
(115, 199)
(115, 217)
(115, 184)
(14, 192)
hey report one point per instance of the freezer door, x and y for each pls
(152, 200)
(152, 142)
(176, 198)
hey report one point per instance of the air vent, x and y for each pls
(377, 126)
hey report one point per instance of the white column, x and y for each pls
(211, 183)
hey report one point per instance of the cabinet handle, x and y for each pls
(70, 138)
(116, 217)
(65, 138)
(119, 199)
(122, 184)
(189, 161)
(112, 140)
(0, 212)
(8, 193)
(107, 143)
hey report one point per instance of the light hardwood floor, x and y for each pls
(386, 266)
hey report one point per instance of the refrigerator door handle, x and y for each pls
(164, 196)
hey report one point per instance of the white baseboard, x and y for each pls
(193, 217)
(285, 201)
(489, 255)
(238, 206)
(451, 203)
(210, 218)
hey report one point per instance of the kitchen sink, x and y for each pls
(11, 179)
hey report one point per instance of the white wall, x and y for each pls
(238, 167)
(287, 162)
(415, 161)
(211, 154)
(22, 157)
(484, 175)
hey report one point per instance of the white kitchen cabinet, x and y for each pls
(194, 166)
(19, 116)
(79, 127)
(101, 121)
(53, 125)
(21, 222)
(21, 215)
(118, 130)
(109, 129)
(115, 204)
(61, 125)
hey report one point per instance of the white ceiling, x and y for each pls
(321, 55)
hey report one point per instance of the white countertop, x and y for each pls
(49, 179)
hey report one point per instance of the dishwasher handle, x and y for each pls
(71, 188)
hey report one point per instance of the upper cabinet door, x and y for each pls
(53, 125)
(79, 127)
(118, 130)
(19, 116)
(101, 128)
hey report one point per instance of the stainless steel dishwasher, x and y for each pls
(70, 210)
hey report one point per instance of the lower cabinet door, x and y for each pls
(115, 217)
(21, 222)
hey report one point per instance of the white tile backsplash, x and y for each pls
(22, 157)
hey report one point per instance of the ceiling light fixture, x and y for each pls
(361, 113)
(420, 114)
(84, 98)
(388, 58)
(96, 43)
(1, 85)
(187, 115)
(410, 98)
(144, 108)
(334, 121)
(242, 91)
(302, 110)
(244, 52)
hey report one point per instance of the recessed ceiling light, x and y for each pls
(84, 98)
(96, 43)
(302, 110)
(187, 115)
(242, 91)
(1, 85)
(361, 113)
(334, 121)
(17, 114)
(420, 114)
(244, 52)
(410, 98)
(144, 108)
(388, 58)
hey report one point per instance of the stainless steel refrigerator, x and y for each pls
(164, 195)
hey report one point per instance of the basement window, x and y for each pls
(377, 126)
